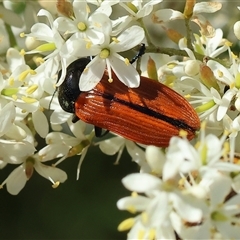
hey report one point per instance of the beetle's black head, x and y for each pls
(69, 91)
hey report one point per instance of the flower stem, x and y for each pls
(189, 32)
(182, 53)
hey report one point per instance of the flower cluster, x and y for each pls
(188, 190)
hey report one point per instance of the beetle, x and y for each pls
(150, 114)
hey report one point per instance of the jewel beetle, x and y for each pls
(150, 114)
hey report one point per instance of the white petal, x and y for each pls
(184, 205)
(59, 137)
(105, 8)
(236, 184)
(141, 182)
(217, 68)
(146, 10)
(44, 12)
(216, 196)
(40, 123)
(96, 37)
(166, 15)
(236, 29)
(237, 103)
(16, 133)
(128, 39)
(77, 129)
(41, 32)
(224, 104)
(155, 158)
(134, 151)
(181, 157)
(59, 117)
(112, 145)
(14, 58)
(213, 153)
(93, 74)
(232, 205)
(7, 116)
(99, 22)
(15, 152)
(137, 203)
(53, 151)
(227, 229)
(16, 180)
(214, 42)
(28, 107)
(65, 25)
(80, 11)
(50, 173)
(127, 74)
(120, 24)
(159, 209)
(206, 7)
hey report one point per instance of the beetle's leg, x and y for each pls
(98, 132)
(139, 54)
(75, 118)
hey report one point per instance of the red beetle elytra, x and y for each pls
(150, 114)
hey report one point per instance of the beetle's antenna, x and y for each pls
(139, 54)
(52, 99)
(59, 74)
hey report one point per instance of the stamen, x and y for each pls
(126, 224)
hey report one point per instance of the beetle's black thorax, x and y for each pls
(69, 91)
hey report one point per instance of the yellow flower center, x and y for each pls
(104, 53)
(82, 26)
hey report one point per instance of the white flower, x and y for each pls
(106, 56)
(220, 216)
(136, 9)
(182, 157)
(206, 100)
(24, 89)
(83, 26)
(211, 47)
(161, 201)
(19, 176)
(23, 153)
(231, 78)
(63, 145)
(55, 44)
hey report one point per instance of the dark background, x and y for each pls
(83, 209)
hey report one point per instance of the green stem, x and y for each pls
(189, 32)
